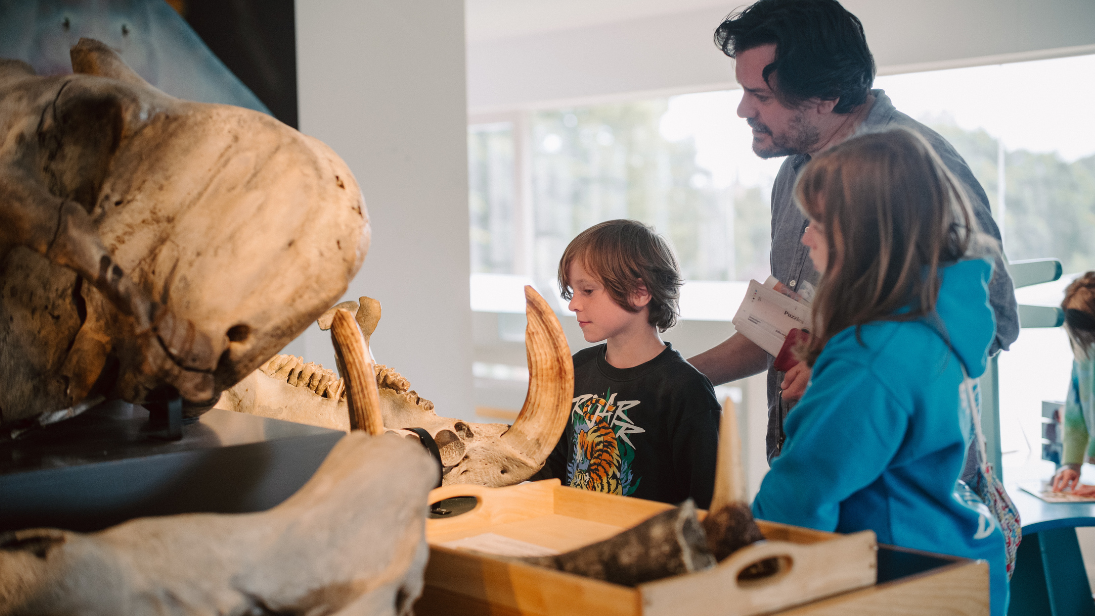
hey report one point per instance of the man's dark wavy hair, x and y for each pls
(821, 50)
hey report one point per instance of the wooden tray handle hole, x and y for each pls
(452, 507)
(765, 572)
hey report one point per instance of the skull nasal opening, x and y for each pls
(238, 333)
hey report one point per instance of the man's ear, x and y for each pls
(826, 107)
(640, 296)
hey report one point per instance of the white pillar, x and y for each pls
(383, 84)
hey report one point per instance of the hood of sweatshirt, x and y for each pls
(968, 322)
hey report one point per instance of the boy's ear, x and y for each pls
(640, 297)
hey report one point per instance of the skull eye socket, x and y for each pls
(463, 429)
(450, 447)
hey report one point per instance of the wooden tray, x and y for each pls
(813, 564)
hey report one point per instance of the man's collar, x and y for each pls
(848, 125)
(879, 115)
(798, 160)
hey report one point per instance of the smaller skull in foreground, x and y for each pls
(350, 541)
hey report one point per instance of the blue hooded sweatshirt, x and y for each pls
(879, 439)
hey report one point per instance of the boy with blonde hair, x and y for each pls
(644, 422)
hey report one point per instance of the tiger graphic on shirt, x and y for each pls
(603, 454)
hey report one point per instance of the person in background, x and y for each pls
(900, 318)
(1079, 306)
(806, 74)
(644, 422)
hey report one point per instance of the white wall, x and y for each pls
(674, 52)
(382, 83)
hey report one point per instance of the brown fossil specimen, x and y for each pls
(670, 543)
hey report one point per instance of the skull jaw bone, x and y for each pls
(351, 541)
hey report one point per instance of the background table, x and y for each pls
(1049, 578)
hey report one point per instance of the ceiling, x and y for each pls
(498, 19)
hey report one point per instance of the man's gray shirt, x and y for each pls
(791, 260)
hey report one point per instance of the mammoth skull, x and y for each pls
(487, 454)
(155, 246)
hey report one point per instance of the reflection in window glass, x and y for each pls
(491, 198)
(635, 160)
(1043, 137)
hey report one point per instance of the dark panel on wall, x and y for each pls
(256, 39)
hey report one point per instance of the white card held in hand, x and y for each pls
(766, 316)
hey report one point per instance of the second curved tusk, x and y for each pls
(551, 382)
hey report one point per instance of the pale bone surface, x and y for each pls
(350, 541)
(486, 454)
(153, 245)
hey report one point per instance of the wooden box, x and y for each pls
(821, 573)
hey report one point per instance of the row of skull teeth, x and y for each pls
(324, 382)
(294, 371)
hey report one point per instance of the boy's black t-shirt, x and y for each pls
(650, 431)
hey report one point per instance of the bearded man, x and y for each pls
(806, 75)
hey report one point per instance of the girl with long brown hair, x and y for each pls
(900, 317)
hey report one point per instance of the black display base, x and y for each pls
(106, 466)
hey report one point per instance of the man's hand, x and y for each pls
(1066, 479)
(794, 382)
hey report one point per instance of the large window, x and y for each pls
(642, 160)
(681, 164)
(1026, 131)
(684, 165)
(492, 198)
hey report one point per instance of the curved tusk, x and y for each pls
(551, 383)
(362, 397)
(729, 474)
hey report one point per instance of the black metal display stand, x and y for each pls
(110, 465)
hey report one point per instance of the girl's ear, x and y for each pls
(640, 296)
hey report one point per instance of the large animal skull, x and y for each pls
(350, 542)
(487, 454)
(152, 245)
